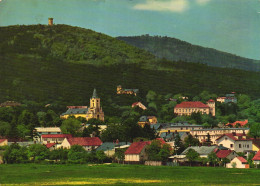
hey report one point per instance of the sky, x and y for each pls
(228, 25)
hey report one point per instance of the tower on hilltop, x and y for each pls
(50, 21)
(95, 111)
(211, 104)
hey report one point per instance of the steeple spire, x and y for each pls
(95, 94)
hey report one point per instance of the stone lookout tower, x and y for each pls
(50, 21)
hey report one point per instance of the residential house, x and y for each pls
(238, 162)
(202, 134)
(120, 90)
(237, 124)
(238, 142)
(54, 138)
(229, 154)
(109, 148)
(256, 158)
(139, 104)
(229, 98)
(256, 145)
(39, 131)
(137, 152)
(188, 107)
(88, 143)
(3, 142)
(152, 119)
(203, 151)
(51, 146)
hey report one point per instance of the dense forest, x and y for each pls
(177, 50)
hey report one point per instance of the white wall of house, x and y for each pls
(238, 164)
(132, 157)
(226, 142)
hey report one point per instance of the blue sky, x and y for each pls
(228, 25)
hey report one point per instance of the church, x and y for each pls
(93, 111)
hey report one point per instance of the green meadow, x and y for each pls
(37, 174)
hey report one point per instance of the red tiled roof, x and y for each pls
(223, 153)
(243, 160)
(151, 117)
(191, 104)
(241, 123)
(49, 145)
(211, 100)
(137, 147)
(257, 156)
(85, 141)
(56, 136)
(232, 136)
(134, 104)
(2, 140)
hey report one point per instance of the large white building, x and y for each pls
(234, 141)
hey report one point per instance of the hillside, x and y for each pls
(177, 50)
(63, 64)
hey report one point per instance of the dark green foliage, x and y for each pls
(192, 155)
(15, 154)
(38, 152)
(177, 50)
(158, 152)
(212, 158)
(190, 141)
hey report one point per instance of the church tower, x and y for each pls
(95, 111)
(211, 104)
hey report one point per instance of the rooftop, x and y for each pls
(111, 145)
(56, 136)
(257, 156)
(85, 141)
(243, 160)
(137, 147)
(191, 104)
(223, 153)
(236, 137)
(202, 150)
(76, 110)
(48, 129)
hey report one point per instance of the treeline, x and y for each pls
(38, 153)
(177, 50)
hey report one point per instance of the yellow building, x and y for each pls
(188, 107)
(94, 110)
(120, 90)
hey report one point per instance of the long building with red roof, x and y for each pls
(54, 138)
(88, 143)
(238, 123)
(188, 107)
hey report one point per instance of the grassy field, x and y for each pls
(34, 174)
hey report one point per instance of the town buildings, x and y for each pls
(229, 98)
(238, 162)
(238, 124)
(39, 131)
(139, 104)
(136, 152)
(188, 107)
(202, 134)
(88, 143)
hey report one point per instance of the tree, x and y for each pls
(225, 161)
(153, 150)
(38, 152)
(23, 131)
(212, 157)
(101, 156)
(5, 128)
(178, 145)
(70, 126)
(190, 141)
(192, 155)
(76, 154)
(255, 130)
(15, 154)
(120, 154)
(165, 152)
(197, 117)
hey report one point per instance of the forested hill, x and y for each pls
(175, 50)
(63, 64)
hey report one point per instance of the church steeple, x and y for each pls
(95, 94)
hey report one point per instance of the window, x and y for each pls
(225, 138)
(231, 145)
(239, 145)
(248, 146)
